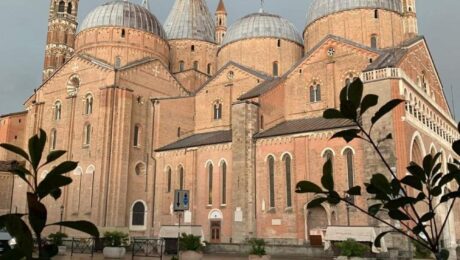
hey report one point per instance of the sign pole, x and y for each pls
(178, 235)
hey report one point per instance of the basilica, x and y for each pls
(230, 112)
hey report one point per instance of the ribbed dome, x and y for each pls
(123, 14)
(322, 8)
(262, 25)
(190, 19)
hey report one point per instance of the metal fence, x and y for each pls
(147, 247)
(86, 246)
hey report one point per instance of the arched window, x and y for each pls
(73, 85)
(69, 8)
(195, 65)
(329, 155)
(192, 48)
(209, 69)
(223, 176)
(315, 93)
(140, 169)
(181, 66)
(137, 136)
(217, 110)
(178, 132)
(374, 41)
(181, 177)
(87, 135)
(376, 14)
(271, 176)
(168, 179)
(138, 215)
(53, 139)
(210, 179)
(287, 170)
(350, 173)
(279, 43)
(88, 104)
(61, 7)
(123, 33)
(275, 69)
(57, 110)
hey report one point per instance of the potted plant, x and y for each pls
(57, 240)
(115, 243)
(352, 250)
(257, 249)
(190, 247)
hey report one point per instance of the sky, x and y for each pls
(23, 38)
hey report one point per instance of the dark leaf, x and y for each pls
(332, 114)
(413, 182)
(16, 150)
(52, 182)
(36, 147)
(316, 203)
(374, 209)
(421, 196)
(370, 188)
(18, 229)
(22, 173)
(456, 147)
(56, 193)
(49, 250)
(400, 202)
(417, 171)
(380, 182)
(436, 191)
(418, 228)
(449, 196)
(333, 198)
(63, 168)
(377, 241)
(327, 180)
(446, 179)
(444, 254)
(395, 186)
(385, 109)
(307, 187)
(348, 110)
(355, 92)
(348, 135)
(54, 155)
(37, 213)
(398, 215)
(355, 191)
(83, 226)
(435, 172)
(368, 102)
(427, 217)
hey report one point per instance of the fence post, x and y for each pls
(132, 249)
(71, 248)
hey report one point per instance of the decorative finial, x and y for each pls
(261, 6)
(145, 4)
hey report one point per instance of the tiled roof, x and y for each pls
(262, 88)
(304, 126)
(202, 139)
(221, 6)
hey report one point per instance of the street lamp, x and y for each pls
(62, 214)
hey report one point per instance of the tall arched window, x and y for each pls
(209, 69)
(376, 14)
(168, 179)
(57, 110)
(137, 136)
(61, 7)
(275, 69)
(287, 169)
(315, 92)
(329, 155)
(271, 176)
(88, 104)
(350, 173)
(210, 179)
(374, 41)
(87, 134)
(217, 110)
(53, 139)
(138, 214)
(69, 8)
(181, 177)
(223, 176)
(181, 66)
(195, 65)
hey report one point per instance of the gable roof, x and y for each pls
(304, 126)
(262, 88)
(201, 139)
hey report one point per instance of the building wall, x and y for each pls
(190, 51)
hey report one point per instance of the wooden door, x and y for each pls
(215, 231)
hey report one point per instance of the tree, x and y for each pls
(391, 198)
(36, 216)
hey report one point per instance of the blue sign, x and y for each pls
(185, 199)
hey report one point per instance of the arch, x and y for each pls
(73, 84)
(317, 220)
(374, 41)
(223, 182)
(140, 169)
(217, 109)
(315, 92)
(347, 147)
(53, 139)
(376, 14)
(287, 159)
(215, 214)
(275, 69)
(271, 178)
(87, 134)
(69, 8)
(349, 154)
(90, 169)
(278, 43)
(89, 104)
(57, 110)
(181, 176)
(192, 48)
(137, 135)
(78, 171)
(209, 68)
(61, 7)
(210, 173)
(433, 149)
(138, 215)
(168, 172)
(326, 150)
(417, 148)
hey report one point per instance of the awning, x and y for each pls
(360, 234)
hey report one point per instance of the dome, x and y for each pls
(321, 8)
(190, 19)
(123, 14)
(262, 25)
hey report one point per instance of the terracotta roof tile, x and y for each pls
(202, 139)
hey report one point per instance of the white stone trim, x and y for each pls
(138, 228)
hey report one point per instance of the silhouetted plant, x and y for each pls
(37, 213)
(391, 197)
(257, 246)
(57, 238)
(115, 239)
(190, 242)
(352, 248)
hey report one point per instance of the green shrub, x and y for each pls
(190, 243)
(257, 246)
(115, 239)
(56, 238)
(352, 248)
(420, 251)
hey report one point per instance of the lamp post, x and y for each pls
(62, 214)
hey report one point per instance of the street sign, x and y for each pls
(181, 200)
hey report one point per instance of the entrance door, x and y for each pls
(215, 231)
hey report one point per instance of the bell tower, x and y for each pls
(410, 18)
(62, 27)
(221, 22)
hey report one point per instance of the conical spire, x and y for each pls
(221, 7)
(190, 19)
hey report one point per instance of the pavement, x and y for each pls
(206, 257)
